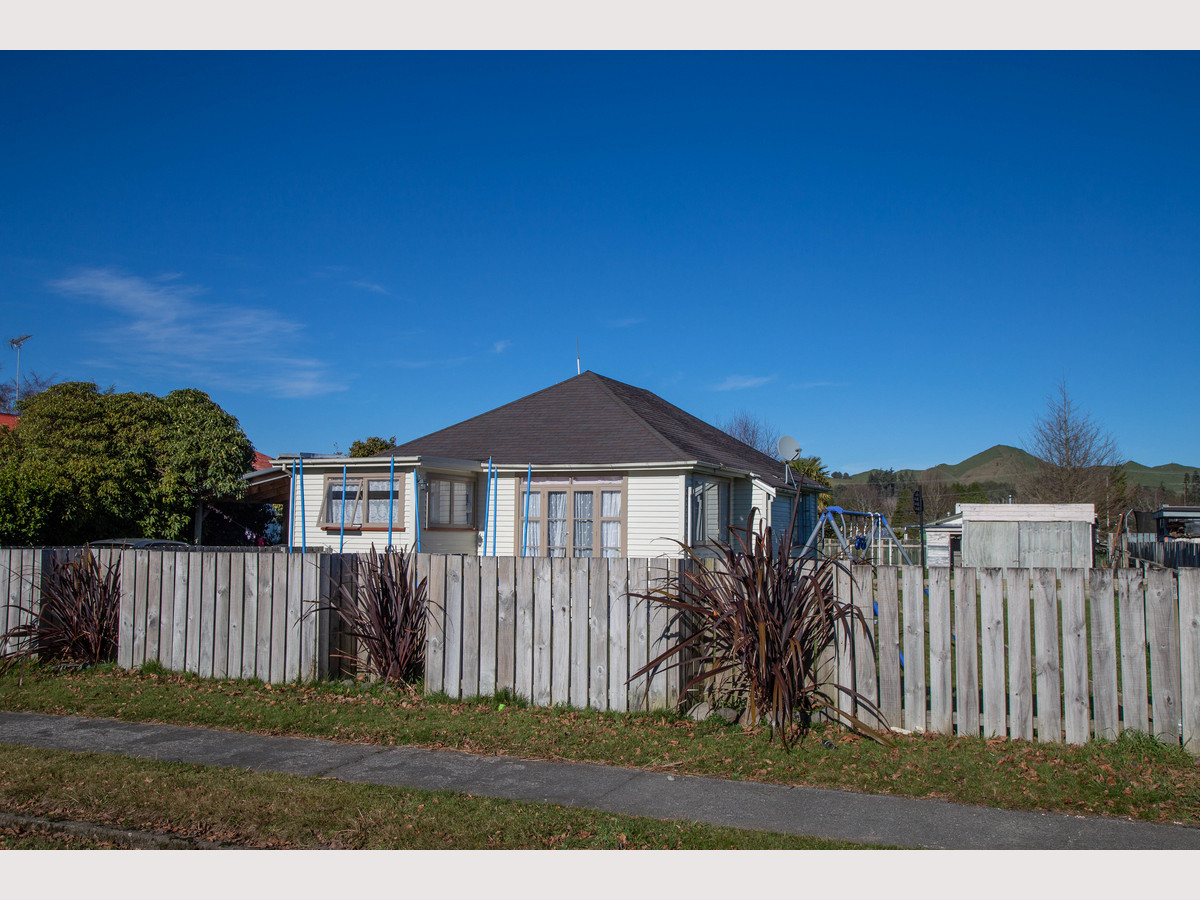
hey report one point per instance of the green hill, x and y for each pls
(1003, 463)
(1170, 475)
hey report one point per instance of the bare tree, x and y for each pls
(31, 383)
(1078, 460)
(753, 430)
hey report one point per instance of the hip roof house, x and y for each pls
(588, 467)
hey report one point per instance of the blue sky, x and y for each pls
(891, 256)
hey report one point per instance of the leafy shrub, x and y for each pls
(384, 610)
(79, 616)
(760, 624)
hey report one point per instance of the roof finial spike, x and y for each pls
(578, 371)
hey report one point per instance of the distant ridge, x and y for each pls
(1009, 464)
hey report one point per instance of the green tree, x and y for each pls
(812, 468)
(884, 480)
(102, 464)
(28, 501)
(203, 454)
(372, 446)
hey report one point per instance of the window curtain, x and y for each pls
(556, 523)
(584, 506)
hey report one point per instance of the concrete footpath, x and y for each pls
(866, 818)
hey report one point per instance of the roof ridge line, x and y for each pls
(602, 381)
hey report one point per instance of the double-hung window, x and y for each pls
(361, 502)
(451, 502)
(575, 516)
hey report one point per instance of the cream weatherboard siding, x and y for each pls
(654, 517)
(355, 541)
(507, 539)
(655, 514)
(761, 500)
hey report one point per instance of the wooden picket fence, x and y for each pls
(257, 615)
(1039, 654)
(1045, 654)
(217, 614)
(550, 630)
(20, 581)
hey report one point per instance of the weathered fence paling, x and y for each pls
(577, 635)
(1095, 687)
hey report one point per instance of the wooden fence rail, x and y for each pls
(1045, 654)
(1042, 654)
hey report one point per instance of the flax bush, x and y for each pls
(79, 615)
(384, 610)
(760, 624)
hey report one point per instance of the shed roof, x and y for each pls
(1027, 512)
(593, 420)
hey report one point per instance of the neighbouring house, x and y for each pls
(1058, 535)
(589, 467)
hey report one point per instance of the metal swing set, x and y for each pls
(858, 533)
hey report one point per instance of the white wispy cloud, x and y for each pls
(167, 327)
(741, 382)
(817, 384)
(627, 322)
(372, 287)
(501, 346)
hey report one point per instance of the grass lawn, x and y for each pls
(271, 811)
(1135, 777)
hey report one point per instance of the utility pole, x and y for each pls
(16, 343)
(919, 509)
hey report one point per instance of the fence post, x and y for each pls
(966, 651)
(888, 636)
(1189, 654)
(1162, 630)
(913, 610)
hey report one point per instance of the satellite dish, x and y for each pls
(788, 447)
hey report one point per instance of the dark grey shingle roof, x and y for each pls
(592, 420)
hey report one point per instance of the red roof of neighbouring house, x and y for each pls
(261, 461)
(9, 419)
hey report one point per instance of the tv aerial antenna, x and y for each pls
(16, 343)
(789, 449)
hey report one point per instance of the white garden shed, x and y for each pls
(1058, 535)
